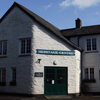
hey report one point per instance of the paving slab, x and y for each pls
(58, 97)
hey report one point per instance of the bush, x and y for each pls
(84, 88)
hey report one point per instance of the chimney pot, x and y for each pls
(78, 23)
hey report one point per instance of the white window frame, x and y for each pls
(2, 43)
(1, 74)
(88, 73)
(91, 45)
(25, 46)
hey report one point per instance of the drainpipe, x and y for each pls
(81, 78)
(81, 74)
(79, 40)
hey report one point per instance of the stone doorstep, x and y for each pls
(59, 97)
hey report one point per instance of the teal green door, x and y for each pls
(55, 81)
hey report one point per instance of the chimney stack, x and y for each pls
(78, 23)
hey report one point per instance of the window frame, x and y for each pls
(25, 46)
(2, 45)
(89, 79)
(91, 41)
(2, 83)
(89, 73)
(13, 81)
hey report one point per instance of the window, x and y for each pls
(3, 48)
(13, 76)
(91, 44)
(89, 75)
(2, 77)
(86, 73)
(25, 46)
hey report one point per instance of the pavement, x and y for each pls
(59, 97)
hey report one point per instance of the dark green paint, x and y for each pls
(55, 81)
(55, 52)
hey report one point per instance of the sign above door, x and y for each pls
(55, 52)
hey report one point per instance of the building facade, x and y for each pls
(88, 39)
(35, 58)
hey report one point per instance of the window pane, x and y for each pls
(49, 76)
(91, 73)
(0, 75)
(88, 44)
(4, 48)
(22, 46)
(3, 75)
(94, 44)
(14, 74)
(0, 48)
(28, 45)
(86, 73)
(61, 76)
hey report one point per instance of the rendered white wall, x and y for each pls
(50, 42)
(15, 26)
(18, 25)
(91, 60)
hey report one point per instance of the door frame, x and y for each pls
(66, 77)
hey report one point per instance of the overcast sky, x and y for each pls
(60, 13)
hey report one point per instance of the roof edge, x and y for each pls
(79, 28)
(58, 33)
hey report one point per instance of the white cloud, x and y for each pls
(96, 13)
(81, 4)
(48, 6)
(65, 3)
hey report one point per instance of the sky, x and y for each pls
(60, 13)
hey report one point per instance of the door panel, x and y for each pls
(55, 81)
(61, 81)
(49, 81)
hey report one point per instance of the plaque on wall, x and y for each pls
(38, 74)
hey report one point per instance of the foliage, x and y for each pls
(84, 88)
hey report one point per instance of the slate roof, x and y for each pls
(83, 31)
(41, 21)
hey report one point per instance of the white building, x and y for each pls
(88, 39)
(35, 58)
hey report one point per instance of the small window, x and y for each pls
(3, 48)
(13, 76)
(91, 44)
(2, 77)
(89, 75)
(25, 46)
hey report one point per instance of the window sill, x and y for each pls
(3, 56)
(2, 83)
(91, 51)
(89, 81)
(24, 55)
(12, 83)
